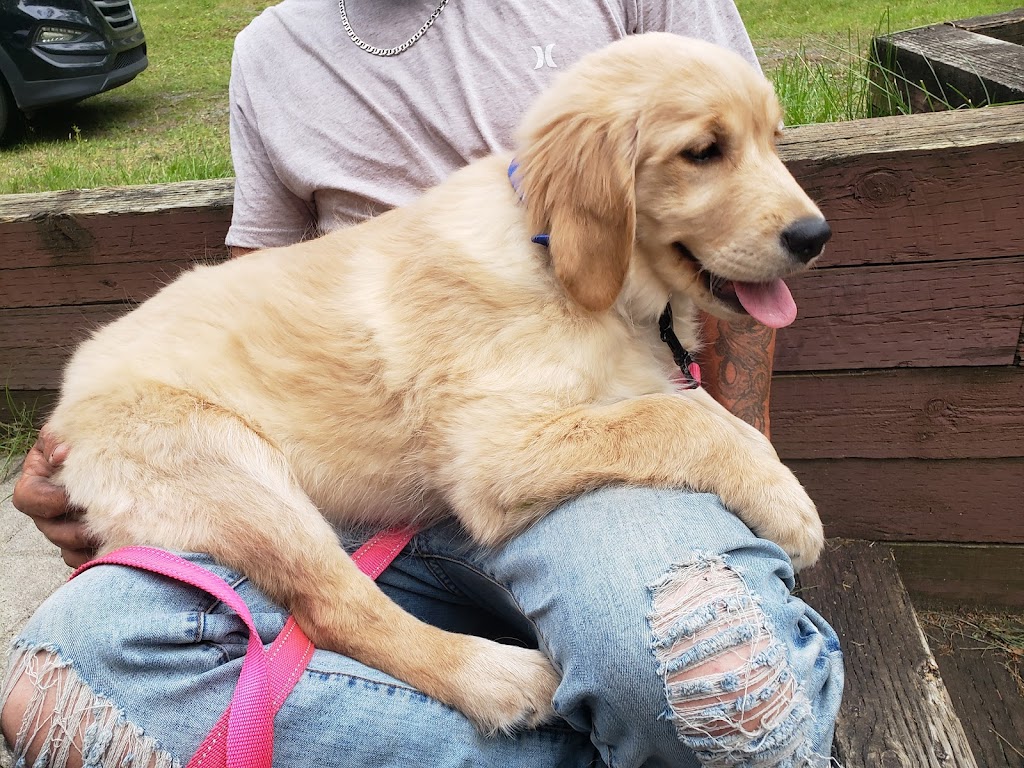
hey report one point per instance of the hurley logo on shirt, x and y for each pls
(544, 56)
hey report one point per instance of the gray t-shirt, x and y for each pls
(324, 134)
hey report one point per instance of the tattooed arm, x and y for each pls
(737, 368)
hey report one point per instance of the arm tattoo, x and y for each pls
(740, 363)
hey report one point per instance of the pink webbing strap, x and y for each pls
(379, 551)
(244, 735)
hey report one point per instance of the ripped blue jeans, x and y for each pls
(673, 626)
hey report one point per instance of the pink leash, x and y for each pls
(244, 735)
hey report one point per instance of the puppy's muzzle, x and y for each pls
(805, 237)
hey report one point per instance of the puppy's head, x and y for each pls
(662, 149)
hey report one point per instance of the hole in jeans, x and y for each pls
(64, 724)
(730, 690)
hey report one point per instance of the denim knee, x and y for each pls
(732, 691)
(705, 675)
(588, 576)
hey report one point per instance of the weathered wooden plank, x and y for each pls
(35, 343)
(82, 246)
(918, 187)
(73, 239)
(975, 573)
(877, 138)
(71, 284)
(100, 201)
(896, 711)
(966, 500)
(985, 695)
(1007, 26)
(885, 185)
(911, 315)
(921, 207)
(944, 66)
(965, 313)
(931, 413)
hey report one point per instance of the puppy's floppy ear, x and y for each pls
(577, 177)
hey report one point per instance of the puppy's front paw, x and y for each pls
(505, 688)
(793, 522)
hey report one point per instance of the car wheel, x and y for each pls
(10, 116)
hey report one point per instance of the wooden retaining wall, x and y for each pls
(976, 61)
(899, 392)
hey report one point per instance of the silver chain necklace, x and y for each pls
(388, 51)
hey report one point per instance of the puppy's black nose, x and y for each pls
(806, 237)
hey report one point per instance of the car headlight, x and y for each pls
(55, 34)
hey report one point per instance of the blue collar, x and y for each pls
(544, 240)
(687, 365)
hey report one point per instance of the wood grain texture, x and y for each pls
(984, 693)
(911, 135)
(99, 201)
(968, 500)
(35, 343)
(1007, 26)
(63, 240)
(70, 283)
(924, 206)
(957, 573)
(937, 314)
(1019, 360)
(943, 64)
(916, 188)
(896, 712)
(964, 313)
(928, 413)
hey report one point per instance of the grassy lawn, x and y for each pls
(782, 26)
(170, 124)
(814, 52)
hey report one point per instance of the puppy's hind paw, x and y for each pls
(505, 689)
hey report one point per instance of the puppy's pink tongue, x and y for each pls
(770, 304)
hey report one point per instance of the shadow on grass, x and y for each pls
(89, 119)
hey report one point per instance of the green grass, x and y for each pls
(17, 433)
(783, 25)
(816, 53)
(171, 123)
(819, 89)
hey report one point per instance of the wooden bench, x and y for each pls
(896, 710)
(898, 397)
(976, 62)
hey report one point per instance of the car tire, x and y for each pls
(10, 115)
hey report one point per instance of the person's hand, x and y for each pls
(47, 504)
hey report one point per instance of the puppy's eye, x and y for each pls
(703, 154)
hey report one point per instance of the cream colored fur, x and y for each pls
(433, 362)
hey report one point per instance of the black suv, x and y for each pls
(57, 51)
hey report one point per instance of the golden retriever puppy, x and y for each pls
(434, 361)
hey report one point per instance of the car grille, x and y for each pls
(127, 58)
(118, 13)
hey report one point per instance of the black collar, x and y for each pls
(687, 365)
